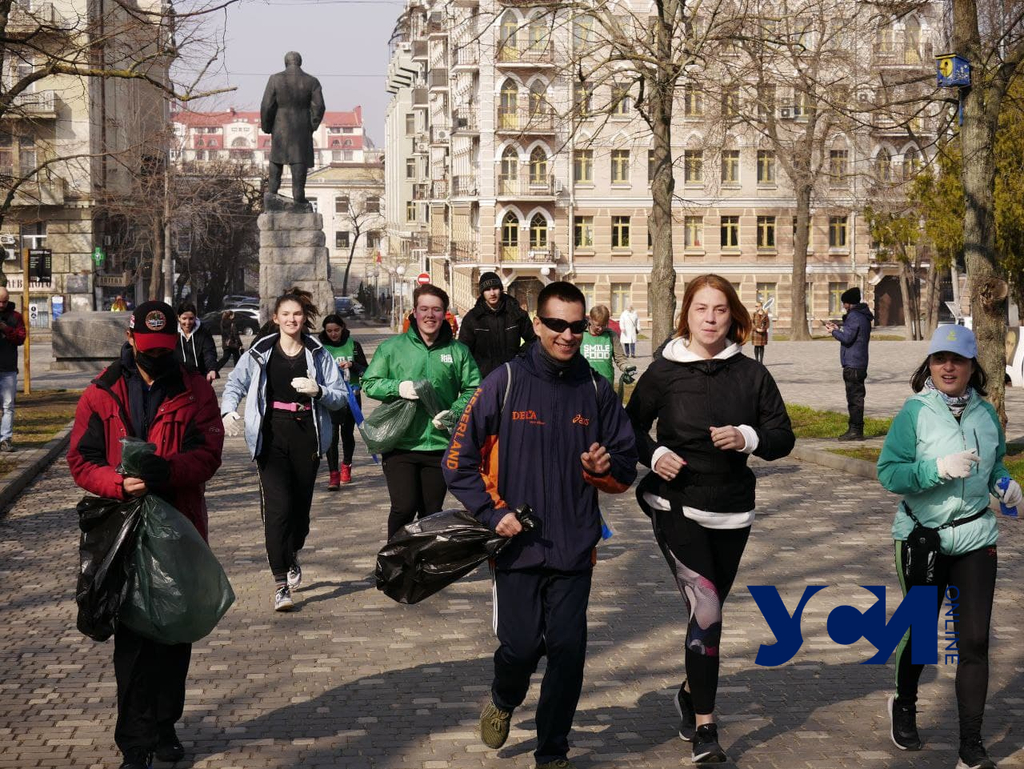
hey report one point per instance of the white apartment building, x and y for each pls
(500, 158)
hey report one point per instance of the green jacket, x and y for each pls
(447, 365)
(925, 430)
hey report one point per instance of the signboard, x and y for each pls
(114, 281)
(423, 278)
(40, 266)
(17, 283)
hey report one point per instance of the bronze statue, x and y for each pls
(292, 109)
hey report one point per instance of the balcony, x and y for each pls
(464, 251)
(468, 54)
(523, 121)
(438, 245)
(439, 189)
(523, 187)
(419, 49)
(421, 191)
(465, 120)
(37, 104)
(524, 253)
(419, 98)
(439, 135)
(438, 78)
(464, 186)
(526, 55)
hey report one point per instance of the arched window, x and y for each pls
(538, 104)
(240, 142)
(538, 232)
(883, 165)
(509, 173)
(911, 163)
(538, 166)
(508, 33)
(538, 34)
(508, 116)
(510, 237)
(912, 41)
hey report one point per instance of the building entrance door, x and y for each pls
(525, 291)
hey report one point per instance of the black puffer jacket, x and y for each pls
(687, 398)
(493, 336)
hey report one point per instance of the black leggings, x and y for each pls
(759, 353)
(288, 461)
(415, 484)
(342, 421)
(973, 577)
(704, 562)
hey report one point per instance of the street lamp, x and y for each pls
(400, 273)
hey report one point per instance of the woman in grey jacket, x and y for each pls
(291, 384)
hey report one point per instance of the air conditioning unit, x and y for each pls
(558, 186)
(8, 240)
(435, 17)
(442, 134)
(421, 147)
(786, 113)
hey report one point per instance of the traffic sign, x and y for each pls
(423, 278)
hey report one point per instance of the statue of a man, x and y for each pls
(292, 109)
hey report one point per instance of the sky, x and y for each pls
(344, 43)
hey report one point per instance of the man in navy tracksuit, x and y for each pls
(543, 431)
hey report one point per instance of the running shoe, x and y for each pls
(334, 482)
(137, 759)
(903, 725)
(687, 715)
(706, 749)
(169, 748)
(495, 724)
(283, 600)
(346, 474)
(294, 574)
(558, 763)
(973, 755)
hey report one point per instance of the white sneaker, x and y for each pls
(283, 600)
(294, 575)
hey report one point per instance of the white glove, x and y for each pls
(407, 390)
(233, 424)
(439, 420)
(958, 465)
(306, 386)
(1012, 497)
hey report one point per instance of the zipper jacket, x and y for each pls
(925, 430)
(249, 380)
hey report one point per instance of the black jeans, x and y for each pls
(344, 423)
(973, 575)
(415, 484)
(150, 689)
(288, 461)
(759, 353)
(855, 391)
(230, 353)
(542, 612)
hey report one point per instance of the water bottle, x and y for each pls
(1002, 484)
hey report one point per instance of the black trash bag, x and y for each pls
(433, 552)
(109, 530)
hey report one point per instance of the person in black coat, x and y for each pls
(854, 337)
(195, 349)
(714, 407)
(230, 340)
(496, 328)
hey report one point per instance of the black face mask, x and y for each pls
(156, 366)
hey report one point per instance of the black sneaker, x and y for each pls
(706, 749)
(852, 435)
(687, 715)
(973, 755)
(903, 725)
(169, 748)
(137, 759)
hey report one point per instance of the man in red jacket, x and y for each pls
(12, 336)
(147, 394)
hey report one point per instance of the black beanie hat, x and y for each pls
(490, 280)
(850, 296)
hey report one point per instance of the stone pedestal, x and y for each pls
(87, 341)
(293, 252)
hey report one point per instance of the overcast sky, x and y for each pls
(343, 42)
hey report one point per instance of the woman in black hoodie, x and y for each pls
(195, 349)
(714, 407)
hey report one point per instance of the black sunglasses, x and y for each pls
(559, 326)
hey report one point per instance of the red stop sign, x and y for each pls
(423, 278)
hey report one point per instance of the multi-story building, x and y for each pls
(499, 157)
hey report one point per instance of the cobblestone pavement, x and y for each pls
(353, 680)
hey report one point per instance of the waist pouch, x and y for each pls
(923, 545)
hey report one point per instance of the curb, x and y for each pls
(819, 455)
(16, 481)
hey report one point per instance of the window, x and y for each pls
(373, 239)
(510, 236)
(583, 99)
(583, 166)
(538, 232)
(372, 205)
(730, 232)
(766, 232)
(693, 166)
(693, 101)
(883, 166)
(538, 166)
(347, 130)
(838, 167)
(410, 168)
(766, 291)
(538, 104)
(731, 102)
(765, 101)
(410, 123)
(835, 303)
(27, 156)
(588, 293)
(693, 232)
(508, 31)
(508, 176)
(33, 235)
(622, 102)
(765, 167)
(620, 298)
(620, 232)
(6, 155)
(410, 211)
(341, 205)
(620, 166)
(336, 155)
(341, 239)
(583, 33)
(911, 163)
(837, 231)
(801, 104)
(583, 231)
(730, 166)
(347, 155)
(508, 105)
(886, 39)
(538, 34)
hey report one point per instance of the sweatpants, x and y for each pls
(538, 612)
(150, 689)
(287, 464)
(415, 484)
(854, 379)
(344, 423)
(704, 563)
(971, 580)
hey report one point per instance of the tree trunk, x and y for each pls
(348, 264)
(157, 270)
(931, 300)
(661, 291)
(908, 300)
(798, 291)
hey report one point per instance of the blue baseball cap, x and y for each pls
(955, 339)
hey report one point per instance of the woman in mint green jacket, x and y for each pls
(944, 454)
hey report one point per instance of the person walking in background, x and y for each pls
(944, 453)
(496, 328)
(119, 304)
(853, 337)
(348, 354)
(600, 345)
(12, 336)
(714, 408)
(576, 441)
(290, 384)
(452, 321)
(629, 322)
(426, 351)
(148, 394)
(759, 332)
(230, 340)
(195, 348)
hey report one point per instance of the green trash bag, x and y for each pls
(179, 590)
(390, 422)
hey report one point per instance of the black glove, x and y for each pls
(155, 471)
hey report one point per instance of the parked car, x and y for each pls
(347, 307)
(247, 321)
(232, 300)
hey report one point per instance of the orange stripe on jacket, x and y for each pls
(605, 483)
(489, 467)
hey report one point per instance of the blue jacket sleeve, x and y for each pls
(471, 463)
(618, 438)
(847, 335)
(238, 383)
